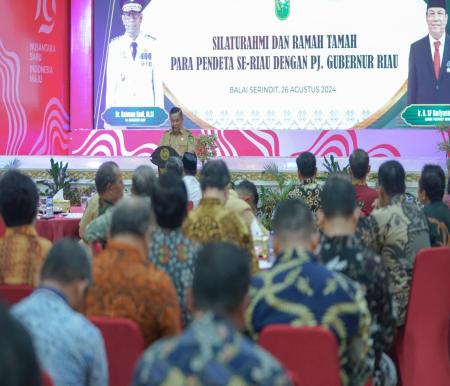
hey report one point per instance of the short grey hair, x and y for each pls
(132, 215)
(143, 181)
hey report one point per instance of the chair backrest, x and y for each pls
(422, 351)
(304, 351)
(124, 345)
(190, 205)
(46, 380)
(2, 227)
(12, 294)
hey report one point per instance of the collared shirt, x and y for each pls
(22, 253)
(95, 207)
(438, 217)
(173, 253)
(129, 286)
(441, 47)
(98, 228)
(182, 142)
(69, 347)
(299, 291)
(210, 221)
(240, 207)
(347, 255)
(210, 352)
(193, 188)
(133, 82)
(309, 191)
(365, 197)
(400, 230)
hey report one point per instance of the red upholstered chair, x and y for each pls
(12, 294)
(124, 345)
(310, 353)
(422, 346)
(2, 227)
(190, 205)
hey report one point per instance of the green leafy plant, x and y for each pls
(332, 166)
(60, 178)
(12, 164)
(271, 196)
(206, 147)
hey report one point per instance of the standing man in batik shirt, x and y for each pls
(400, 231)
(179, 138)
(341, 251)
(299, 291)
(308, 189)
(132, 74)
(212, 351)
(211, 221)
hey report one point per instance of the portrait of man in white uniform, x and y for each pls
(132, 74)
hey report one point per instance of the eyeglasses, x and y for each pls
(131, 15)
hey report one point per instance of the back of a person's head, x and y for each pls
(190, 163)
(391, 177)
(221, 278)
(174, 165)
(432, 182)
(359, 163)
(67, 262)
(169, 201)
(293, 220)
(249, 188)
(19, 199)
(132, 216)
(306, 164)
(143, 181)
(338, 197)
(215, 174)
(106, 174)
(18, 361)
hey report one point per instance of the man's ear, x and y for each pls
(368, 170)
(190, 300)
(356, 215)
(320, 218)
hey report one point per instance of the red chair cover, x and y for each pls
(422, 346)
(310, 353)
(46, 380)
(124, 345)
(12, 294)
(190, 205)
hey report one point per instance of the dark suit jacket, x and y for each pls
(423, 88)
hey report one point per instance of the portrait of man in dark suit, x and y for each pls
(429, 60)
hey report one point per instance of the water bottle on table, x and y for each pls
(49, 207)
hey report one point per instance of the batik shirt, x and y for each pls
(210, 352)
(400, 230)
(308, 191)
(211, 221)
(69, 347)
(346, 254)
(127, 285)
(438, 217)
(173, 253)
(22, 253)
(299, 291)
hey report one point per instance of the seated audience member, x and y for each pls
(341, 251)
(126, 284)
(22, 251)
(18, 362)
(142, 183)
(109, 185)
(359, 169)
(240, 207)
(192, 184)
(299, 291)
(175, 165)
(69, 347)
(248, 192)
(400, 231)
(211, 221)
(212, 351)
(170, 250)
(308, 189)
(431, 192)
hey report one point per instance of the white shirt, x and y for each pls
(441, 47)
(133, 83)
(193, 189)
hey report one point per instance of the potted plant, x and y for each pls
(206, 147)
(60, 179)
